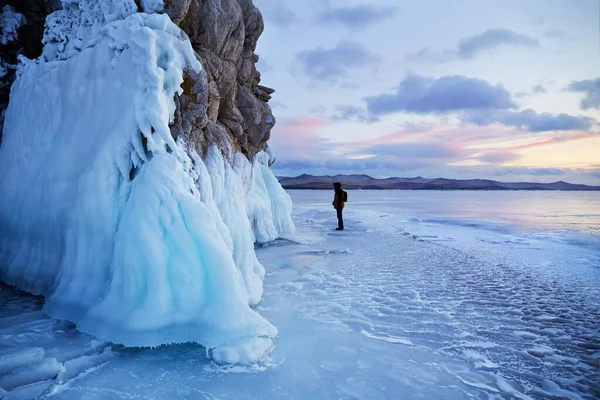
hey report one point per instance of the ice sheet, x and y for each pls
(371, 313)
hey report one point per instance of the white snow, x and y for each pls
(10, 22)
(79, 24)
(125, 232)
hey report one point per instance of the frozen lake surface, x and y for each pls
(425, 295)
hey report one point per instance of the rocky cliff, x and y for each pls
(223, 104)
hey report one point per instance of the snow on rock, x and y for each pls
(152, 6)
(10, 22)
(79, 24)
(125, 231)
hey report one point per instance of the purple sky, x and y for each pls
(472, 88)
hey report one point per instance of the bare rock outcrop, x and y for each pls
(224, 104)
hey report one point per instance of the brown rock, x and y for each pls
(223, 104)
(224, 34)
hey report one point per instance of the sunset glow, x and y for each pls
(500, 90)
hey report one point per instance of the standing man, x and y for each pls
(338, 203)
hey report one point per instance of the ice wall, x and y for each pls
(125, 231)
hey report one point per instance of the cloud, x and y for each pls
(300, 149)
(498, 157)
(538, 89)
(470, 47)
(427, 56)
(350, 113)
(278, 13)
(331, 65)
(558, 35)
(416, 150)
(547, 140)
(263, 66)
(318, 110)
(505, 171)
(432, 152)
(475, 101)
(530, 120)
(491, 39)
(298, 138)
(356, 17)
(390, 159)
(278, 105)
(420, 95)
(340, 165)
(591, 90)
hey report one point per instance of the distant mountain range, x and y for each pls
(419, 183)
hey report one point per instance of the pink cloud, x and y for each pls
(298, 137)
(447, 133)
(554, 140)
(498, 157)
(431, 146)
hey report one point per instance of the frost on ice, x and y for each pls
(126, 232)
(10, 22)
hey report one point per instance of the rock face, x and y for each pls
(223, 104)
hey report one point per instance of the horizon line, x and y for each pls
(439, 178)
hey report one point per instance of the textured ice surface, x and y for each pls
(126, 233)
(379, 312)
(79, 24)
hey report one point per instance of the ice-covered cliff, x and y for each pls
(134, 173)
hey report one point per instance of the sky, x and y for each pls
(464, 89)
